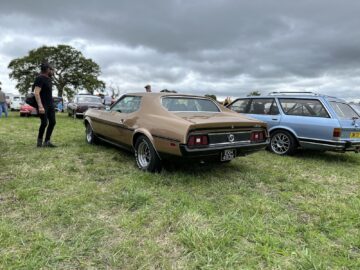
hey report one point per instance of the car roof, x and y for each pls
(163, 94)
(329, 98)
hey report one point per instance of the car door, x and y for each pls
(266, 110)
(240, 105)
(308, 118)
(118, 120)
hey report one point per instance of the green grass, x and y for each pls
(82, 206)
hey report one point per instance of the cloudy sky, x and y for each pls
(223, 47)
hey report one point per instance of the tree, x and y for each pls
(211, 96)
(115, 91)
(73, 72)
(254, 93)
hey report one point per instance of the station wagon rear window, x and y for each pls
(303, 107)
(184, 104)
(343, 110)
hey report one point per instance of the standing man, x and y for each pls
(3, 105)
(148, 88)
(42, 88)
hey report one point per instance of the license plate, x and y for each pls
(228, 154)
(355, 135)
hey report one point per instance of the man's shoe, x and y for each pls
(49, 144)
(39, 143)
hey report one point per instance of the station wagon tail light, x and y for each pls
(198, 140)
(337, 133)
(257, 136)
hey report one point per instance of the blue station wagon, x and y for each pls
(304, 119)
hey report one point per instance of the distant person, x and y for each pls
(60, 106)
(3, 105)
(42, 88)
(148, 88)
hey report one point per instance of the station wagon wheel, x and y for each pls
(146, 156)
(282, 143)
(90, 136)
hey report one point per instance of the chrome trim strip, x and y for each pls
(230, 143)
(228, 133)
(323, 144)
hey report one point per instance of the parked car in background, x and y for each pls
(82, 103)
(59, 104)
(356, 107)
(27, 110)
(304, 119)
(158, 125)
(8, 100)
(16, 102)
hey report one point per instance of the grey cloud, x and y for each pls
(225, 46)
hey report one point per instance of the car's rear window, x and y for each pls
(184, 104)
(343, 110)
(89, 100)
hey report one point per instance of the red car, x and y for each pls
(27, 110)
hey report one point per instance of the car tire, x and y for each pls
(145, 155)
(282, 143)
(89, 135)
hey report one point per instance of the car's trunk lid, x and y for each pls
(207, 120)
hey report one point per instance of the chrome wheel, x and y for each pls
(90, 136)
(89, 133)
(143, 154)
(280, 143)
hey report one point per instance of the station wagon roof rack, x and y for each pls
(293, 93)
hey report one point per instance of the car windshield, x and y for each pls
(185, 104)
(343, 110)
(89, 100)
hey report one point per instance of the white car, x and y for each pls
(16, 102)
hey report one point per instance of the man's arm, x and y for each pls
(37, 91)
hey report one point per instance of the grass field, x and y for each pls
(81, 206)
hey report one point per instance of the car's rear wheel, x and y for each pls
(90, 136)
(282, 143)
(146, 156)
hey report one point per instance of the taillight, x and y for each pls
(337, 133)
(257, 136)
(198, 140)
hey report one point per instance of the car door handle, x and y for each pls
(275, 119)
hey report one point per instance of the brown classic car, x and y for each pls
(158, 125)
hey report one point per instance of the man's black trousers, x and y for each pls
(47, 120)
